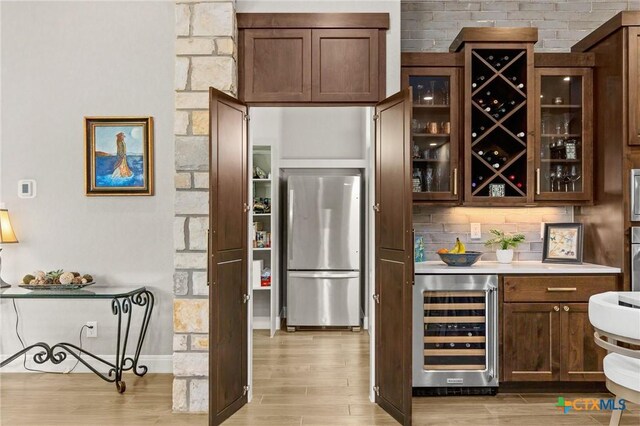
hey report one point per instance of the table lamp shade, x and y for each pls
(6, 230)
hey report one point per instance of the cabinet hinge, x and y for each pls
(376, 389)
(375, 117)
(246, 117)
(245, 389)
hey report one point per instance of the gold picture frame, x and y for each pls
(118, 156)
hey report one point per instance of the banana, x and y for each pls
(458, 248)
(461, 248)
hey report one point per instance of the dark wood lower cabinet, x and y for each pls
(531, 342)
(549, 342)
(581, 357)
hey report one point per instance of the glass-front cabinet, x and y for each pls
(435, 132)
(563, 154)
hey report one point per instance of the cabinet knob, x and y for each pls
(556, 308)
(566, 309)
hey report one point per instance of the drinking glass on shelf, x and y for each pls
(560, 175)
(429, 97)
(552, 180)
(438, 178)
(574, 176)
(428, 179)
(445, 92)
(419, 89)
(566, 121)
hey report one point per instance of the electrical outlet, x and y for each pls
(92, 328)
(476, 231)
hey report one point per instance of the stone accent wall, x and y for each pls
(429, 25)
(439, 226)
(206, 56)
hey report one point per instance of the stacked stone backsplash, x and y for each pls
(206, 56)
(439, 227)
(431, 25)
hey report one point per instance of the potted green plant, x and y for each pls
(505, 243)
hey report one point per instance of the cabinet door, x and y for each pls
(531, 340)
(435, 132)
(393, 257)
(564, 141)
(581, 358)
(227, 257)
(345, 65)
(634, 85)
(277, 65)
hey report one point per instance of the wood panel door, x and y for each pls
(634, 86)
(531, 342)
(276, 65)
(227, 259)
(345, 65)
(581, 357)
(393, 256)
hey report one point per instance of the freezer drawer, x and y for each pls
(323, 298)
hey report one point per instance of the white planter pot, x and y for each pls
(504, 256)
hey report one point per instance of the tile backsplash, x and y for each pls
(439, 226)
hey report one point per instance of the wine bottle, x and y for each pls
(520, 135)
(478, 81)
(519, 184)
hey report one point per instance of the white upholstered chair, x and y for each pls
(616, 323)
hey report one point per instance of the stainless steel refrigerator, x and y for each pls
(323, 250)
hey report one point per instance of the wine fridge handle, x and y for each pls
(538, 181)
(455, 181)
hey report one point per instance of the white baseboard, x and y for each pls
(155, 364)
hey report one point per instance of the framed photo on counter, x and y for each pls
(562, 243)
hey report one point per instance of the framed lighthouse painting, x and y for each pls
(118, 155)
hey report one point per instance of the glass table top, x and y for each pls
(96, 291)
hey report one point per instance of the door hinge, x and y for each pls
(246, 117)
(245, 298)
(376, 297)
(376, 208)
(376, 389)
(245, 390)
(375, 117)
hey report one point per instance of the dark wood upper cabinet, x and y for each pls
(312, 58)
(345, 65)
(564, 134)
(276, 65)
(634, 85)
(435, 132)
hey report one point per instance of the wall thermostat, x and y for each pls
(27, 188)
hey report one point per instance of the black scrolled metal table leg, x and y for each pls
(143, 298)
(120, 306)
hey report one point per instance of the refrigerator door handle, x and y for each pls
(290, 228)
(328, 275)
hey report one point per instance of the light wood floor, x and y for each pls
(305, 378)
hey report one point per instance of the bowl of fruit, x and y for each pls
(458, 255)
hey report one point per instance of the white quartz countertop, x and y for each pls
(524, 267)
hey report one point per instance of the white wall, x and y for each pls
(346, 6)
(60, 62)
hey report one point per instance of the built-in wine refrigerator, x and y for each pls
(455, 335)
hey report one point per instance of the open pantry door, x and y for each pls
(393, 256)
(227, 256)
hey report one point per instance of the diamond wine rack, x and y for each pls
(499, 123)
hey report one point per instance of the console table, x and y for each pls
(123, 300)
